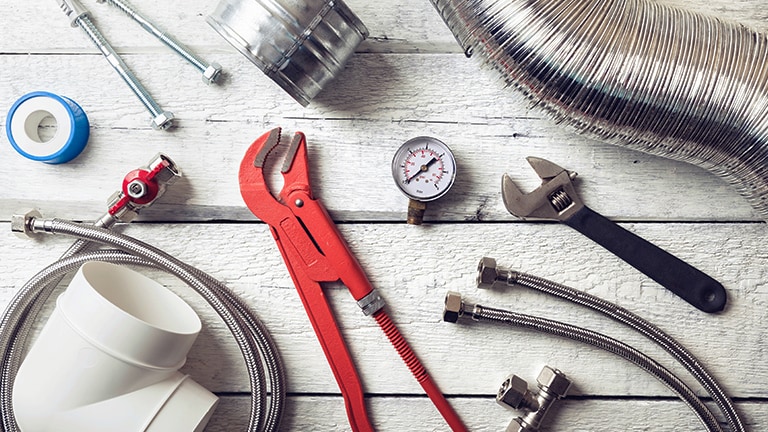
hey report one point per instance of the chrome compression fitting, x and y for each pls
(457, 309)
(514, 394)
(490, 275)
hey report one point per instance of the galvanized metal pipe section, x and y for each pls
(646, 76)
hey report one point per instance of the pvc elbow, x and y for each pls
(108, 359)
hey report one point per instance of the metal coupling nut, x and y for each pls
(489, 274)
(371, 303)
(162, 121)
(21, 225)
(169, 173)
(514, 394)
(553, 382)
(455, 307)
(553, 386)
(212, 73)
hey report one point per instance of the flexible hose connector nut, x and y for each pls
(455, 307)
(513, 393)
(21, 224)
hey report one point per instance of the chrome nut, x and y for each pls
(515, 426)
(486, 273)
(20, 224)
(453, 307)
(514, 394)
(212, 73)
(169, 174)
(162, 121)
(553, 382)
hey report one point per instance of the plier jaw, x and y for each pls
(295, 171)
(314, 251)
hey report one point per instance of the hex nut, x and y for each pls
(453, 307)
(137, 189)
(212, 73)
(516, 426)
(169, 174)
(514, 393)
(554, 382)
(486, 273)
(163, 121)
(20, 223)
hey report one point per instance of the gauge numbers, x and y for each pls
(424, 168)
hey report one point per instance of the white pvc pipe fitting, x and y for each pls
(108, 359)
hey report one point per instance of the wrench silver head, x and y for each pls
(555, 199)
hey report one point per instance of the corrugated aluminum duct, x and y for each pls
(635, 73)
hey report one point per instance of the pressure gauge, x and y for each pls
(424, 169)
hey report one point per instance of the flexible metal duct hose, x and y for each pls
(635, 73)
(259, 352)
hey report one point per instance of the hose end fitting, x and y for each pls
(22, 224)
(490, 275)
(455, 307)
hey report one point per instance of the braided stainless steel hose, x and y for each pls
(456, 308)
(491, 275)
(258, 349)
(635, 73)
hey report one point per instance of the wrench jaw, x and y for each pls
(263, 146)
(545, 169)
(555, 199)
(295, 169)
(525, 206)
(253, 186)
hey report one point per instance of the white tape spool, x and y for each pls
(26, 116)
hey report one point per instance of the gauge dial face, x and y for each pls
(424, 168)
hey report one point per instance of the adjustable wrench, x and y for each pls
(556, 199)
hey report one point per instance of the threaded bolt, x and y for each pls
(211, 71)
(161, 119)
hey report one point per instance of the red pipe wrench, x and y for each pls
(314, 252)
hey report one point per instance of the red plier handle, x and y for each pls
(314, 252)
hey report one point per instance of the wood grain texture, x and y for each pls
(409, 78)
(467, 360)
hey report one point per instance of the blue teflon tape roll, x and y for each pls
(26, 115)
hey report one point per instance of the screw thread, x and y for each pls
(119, 65)
(164, 37)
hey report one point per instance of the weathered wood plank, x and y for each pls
(410, 78)
(483, 415)
(414, 268)
(356, 129)
(395, 26)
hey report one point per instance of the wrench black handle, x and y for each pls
(674, 274)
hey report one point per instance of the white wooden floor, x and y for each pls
(409, 78)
